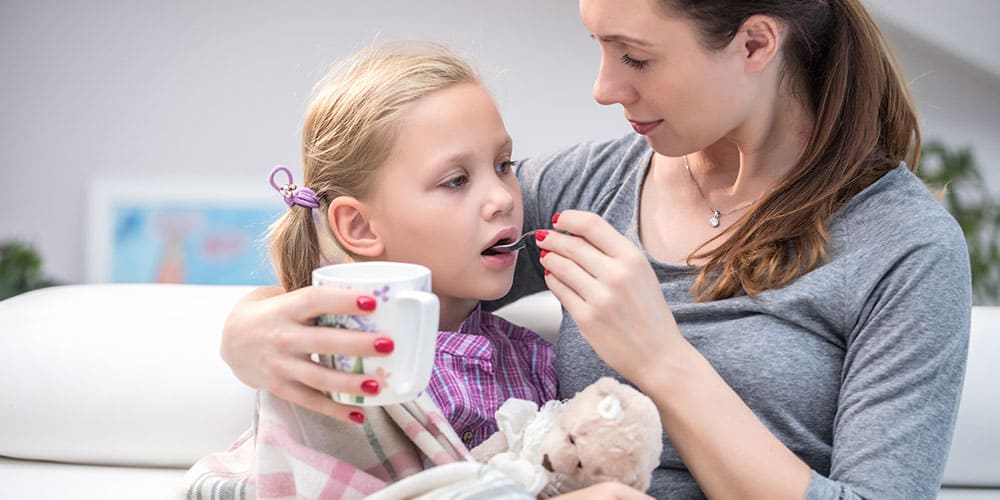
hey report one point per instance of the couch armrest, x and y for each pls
(119, 374)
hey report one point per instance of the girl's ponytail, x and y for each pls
(294, 247)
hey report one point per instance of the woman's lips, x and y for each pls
(644, 128)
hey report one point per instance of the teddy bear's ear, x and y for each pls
(606, 385)
(610, 408)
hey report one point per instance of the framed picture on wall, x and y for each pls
(165, 231)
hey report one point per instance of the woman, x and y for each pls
(757, 258)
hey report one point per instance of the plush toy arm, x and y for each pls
(493, 445)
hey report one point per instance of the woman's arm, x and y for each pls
(906, 332)
(607, 285)
(269, 336)
(606, 491)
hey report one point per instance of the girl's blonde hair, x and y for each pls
(350, 128)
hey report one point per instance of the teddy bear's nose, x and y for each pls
(546, 464)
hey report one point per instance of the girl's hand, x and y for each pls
(608, 491)
(269, 336)
(608, 287)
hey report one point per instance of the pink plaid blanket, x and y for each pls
(293, 453)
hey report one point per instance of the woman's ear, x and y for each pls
(761, 39)
(350, 225)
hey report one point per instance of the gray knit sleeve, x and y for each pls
(907, 307)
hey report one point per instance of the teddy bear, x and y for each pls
(609, 431)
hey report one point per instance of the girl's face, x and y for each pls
(447, 193)
(682, 96)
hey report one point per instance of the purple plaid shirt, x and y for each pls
(483, 364)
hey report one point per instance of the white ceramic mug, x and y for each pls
(405, 310)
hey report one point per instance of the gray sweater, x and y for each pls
(856, 366)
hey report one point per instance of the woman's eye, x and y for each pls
(504, 167)
(456, 182)
(634, 63)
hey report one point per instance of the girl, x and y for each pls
(405, 158)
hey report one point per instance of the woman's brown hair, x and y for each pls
(349, 131)
(865, 123)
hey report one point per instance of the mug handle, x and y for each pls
(428, 313)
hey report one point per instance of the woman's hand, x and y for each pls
(269, 336)
(607, 491)
(608, 287)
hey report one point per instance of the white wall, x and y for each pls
(208, 92)
(957, 92)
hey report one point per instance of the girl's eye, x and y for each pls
(504, 167)
(456, 182)
(634, 63)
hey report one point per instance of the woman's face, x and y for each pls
(682, 96)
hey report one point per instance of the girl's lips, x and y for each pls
(500, 260)
(644, 128)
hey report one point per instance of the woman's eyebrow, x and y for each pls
(624, 39)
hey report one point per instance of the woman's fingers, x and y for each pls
(310, 302)
(318, 402)
(323, 379)
(266, 332)
(595, 230)
(312, 339)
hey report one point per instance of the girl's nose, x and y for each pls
(500, 201)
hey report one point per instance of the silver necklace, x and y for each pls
(716, 214)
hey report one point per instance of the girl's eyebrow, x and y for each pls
(461, 156)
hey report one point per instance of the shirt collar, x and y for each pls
(472, 324)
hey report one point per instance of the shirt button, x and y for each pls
(467, 437)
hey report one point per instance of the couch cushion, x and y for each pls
(113, 374)
(974, 459)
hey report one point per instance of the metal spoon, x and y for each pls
(514, 245)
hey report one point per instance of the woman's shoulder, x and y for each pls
(584, 176)
(898, 208)
(893, 232)
(605, 159)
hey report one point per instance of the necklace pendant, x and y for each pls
(714, 221)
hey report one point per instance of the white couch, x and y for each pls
(112, 391)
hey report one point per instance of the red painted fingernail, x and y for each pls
(555, 218)
(370, 386)
(384, 345)
(366, 303)
(540, 235)
(357, 416)
(544, 253)
(547, 272)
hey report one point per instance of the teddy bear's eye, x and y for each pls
(579, 465)
(570, 437)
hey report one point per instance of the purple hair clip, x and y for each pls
(292, 194)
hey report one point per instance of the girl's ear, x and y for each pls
(761, 38)
(350, 225)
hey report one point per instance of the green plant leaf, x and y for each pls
(968, 199)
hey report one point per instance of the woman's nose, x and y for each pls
(611, 87)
